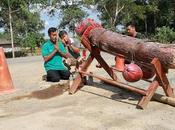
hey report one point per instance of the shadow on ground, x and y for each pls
(120, 95)
(50, 92)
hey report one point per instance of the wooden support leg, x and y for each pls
(79, 79)
(96, 53)
(150, 92)
(162, 78)
(109, 70)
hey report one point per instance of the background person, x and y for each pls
(131, 31)
(70, 44)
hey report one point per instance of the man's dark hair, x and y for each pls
(62, 32)
(132, 24)
(52, 29)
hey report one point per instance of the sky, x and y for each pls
(53, 21)
(49, 21)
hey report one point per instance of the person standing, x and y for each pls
(53, 52)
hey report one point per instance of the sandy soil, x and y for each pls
(37, 105)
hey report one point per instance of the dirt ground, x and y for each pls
(37, 105)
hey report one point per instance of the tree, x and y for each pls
(71, 15)
(160, 13)
(32, 40)
(70, 11)
(164, 35)
(146, 14)
(24, 21)
(115, 12)
(110, 10)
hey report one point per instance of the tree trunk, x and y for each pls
(135, 49)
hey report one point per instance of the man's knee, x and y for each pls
(53, 76)
(53, 79)
(65, 75)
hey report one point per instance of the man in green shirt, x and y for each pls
(52, 52)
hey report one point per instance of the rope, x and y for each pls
(132, 52)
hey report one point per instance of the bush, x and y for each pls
(164, 35)
(17, 54)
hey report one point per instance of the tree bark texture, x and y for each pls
(138, 50)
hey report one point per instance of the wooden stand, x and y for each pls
(159, 80)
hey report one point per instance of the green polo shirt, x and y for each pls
(56, 62)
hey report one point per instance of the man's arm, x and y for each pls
(67, 55)
(48, 57)
(73, 48)
(69, 44)
(66, 46)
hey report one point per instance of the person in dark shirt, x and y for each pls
(131, 30)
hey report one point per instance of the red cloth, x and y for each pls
(86, 26)
(132, 73)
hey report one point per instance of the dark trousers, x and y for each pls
(56, 75)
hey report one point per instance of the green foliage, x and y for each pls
(149, 16)
(108, 12)
(146, 14)
(164, 35)
(87, 3)
(71, 12)
(4, 36)
(71, 16)
(114, 12)
(32, 40)
(26, 24)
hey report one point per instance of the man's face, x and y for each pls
(131, 30)
(65, 38)
(53, 36)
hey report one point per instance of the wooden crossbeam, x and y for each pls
(160, 79)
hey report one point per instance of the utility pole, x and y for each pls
(11, 30)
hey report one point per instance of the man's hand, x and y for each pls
(56, 47)
(47, 58)
(66, 41)
(68, 61)
(71, 61)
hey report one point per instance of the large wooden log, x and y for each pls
(164, 99)
(139, 50)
